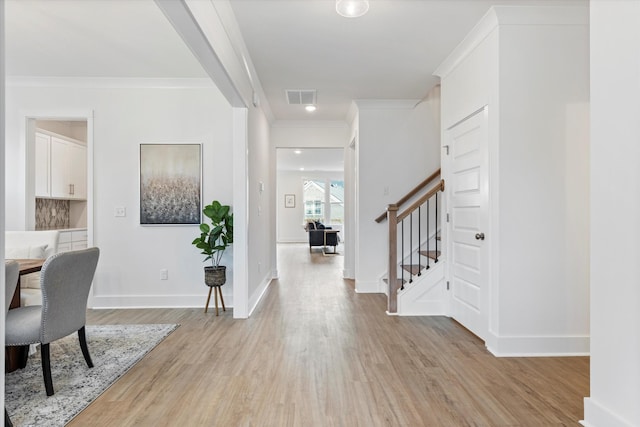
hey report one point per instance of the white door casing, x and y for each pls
(467, 235)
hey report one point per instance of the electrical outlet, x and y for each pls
(120, 211)
(164, 274)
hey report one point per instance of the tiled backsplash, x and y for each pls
(52, 213)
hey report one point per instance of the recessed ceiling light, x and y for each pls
(352, 8)
(301, 169)
(298, 151)
(310, 108)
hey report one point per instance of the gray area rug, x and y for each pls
(114, 350)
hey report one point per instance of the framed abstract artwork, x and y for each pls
(170, 184)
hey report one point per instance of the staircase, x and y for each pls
(416, 265)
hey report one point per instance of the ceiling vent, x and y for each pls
(301, 97)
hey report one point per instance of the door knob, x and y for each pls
(479, 236)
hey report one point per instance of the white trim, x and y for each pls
(111, 82)
(2, 176)
(474, 38)
(596, 415)
(510, 15)
(259, 293)
(368, 287)
(306, 124)
(240, 214)
(375, 104)
(156, 301)
(537, 346)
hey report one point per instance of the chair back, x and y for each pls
(65, 281)
(11, 273)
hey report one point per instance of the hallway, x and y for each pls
(315, 353)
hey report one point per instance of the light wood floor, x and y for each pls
(315, 353)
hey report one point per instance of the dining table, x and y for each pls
(15, 357)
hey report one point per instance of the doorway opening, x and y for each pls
(310, 188)
(58, 193)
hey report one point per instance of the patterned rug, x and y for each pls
(114, 350)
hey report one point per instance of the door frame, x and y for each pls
(27, 134)
(446, 168)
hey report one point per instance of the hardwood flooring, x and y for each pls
(315, 353)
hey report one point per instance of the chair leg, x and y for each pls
(46, 369)
(83, 346)
(206, 307)
(7, 420)
(23, 356)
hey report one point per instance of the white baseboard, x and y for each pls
(597, 415)
(348, 274)
(155, 301)
(537, 346)
(256, 297)
(368, 287)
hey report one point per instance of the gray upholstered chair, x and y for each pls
(65, 281)
(11, 274)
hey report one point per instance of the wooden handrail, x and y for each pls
(420, 201)
(411, 193)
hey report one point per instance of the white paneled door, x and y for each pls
(468, 237)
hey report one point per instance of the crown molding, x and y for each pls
(378, 104)
(310, 124)
(110, 82)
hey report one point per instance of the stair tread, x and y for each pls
(431, 254)
(413, 268)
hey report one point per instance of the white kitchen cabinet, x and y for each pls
(42, 165)
(72, 240)
(61, 167)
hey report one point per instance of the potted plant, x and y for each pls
(213, 241)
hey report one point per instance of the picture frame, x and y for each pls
(289, 200)
(170, 183)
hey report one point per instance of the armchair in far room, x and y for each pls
(319, 237)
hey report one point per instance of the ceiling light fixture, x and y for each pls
(310, 108)
(298, 151)
(352, 8)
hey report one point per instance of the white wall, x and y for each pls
(293, 134)
(128, 273)
(259, 206)
(615, 209)
(543, 169)
(398, 147)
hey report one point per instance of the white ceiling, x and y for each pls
(94, 38)
(389, 53)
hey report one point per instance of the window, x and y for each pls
(316, 197)
(313, 194)
(336, 198)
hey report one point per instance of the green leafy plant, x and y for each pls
(215, 238)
